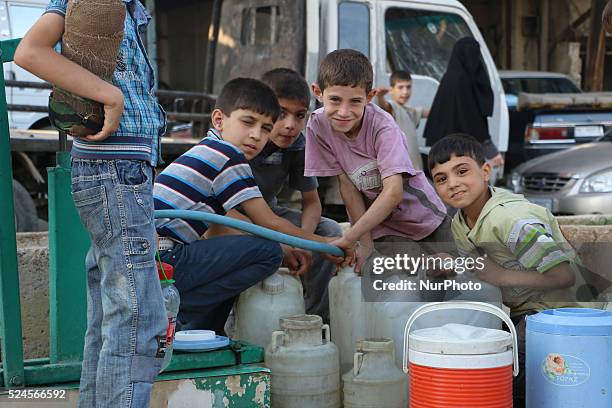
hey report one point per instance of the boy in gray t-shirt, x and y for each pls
(407, 117)
(281, 163)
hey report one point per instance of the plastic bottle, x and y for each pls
(172, 302)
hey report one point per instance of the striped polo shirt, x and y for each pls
(213, 176)
(143, 120)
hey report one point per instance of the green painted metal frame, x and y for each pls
(68, 244)
(10, 315)
(43, 371)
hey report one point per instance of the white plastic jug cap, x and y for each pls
(195, 335)
(455, 338)
(273, 284)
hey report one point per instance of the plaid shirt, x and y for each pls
(143, 120)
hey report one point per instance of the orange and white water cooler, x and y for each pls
(459, 365)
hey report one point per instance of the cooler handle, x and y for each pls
(479, 306)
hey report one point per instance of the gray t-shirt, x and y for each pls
(274, 167)
(408, 119)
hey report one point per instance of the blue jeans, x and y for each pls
(126, 317)
(316, 280)
(210, 274)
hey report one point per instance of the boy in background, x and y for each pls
(281, 163)
(407, 117)
(526, 253)
(214, 176)
(112, 183)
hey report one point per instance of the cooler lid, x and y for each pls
(453, 338)
(572, 322)
(198, 340)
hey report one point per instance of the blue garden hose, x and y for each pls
(251, 228)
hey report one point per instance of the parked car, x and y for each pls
(515, 82)
(574, 181)
(548, 113)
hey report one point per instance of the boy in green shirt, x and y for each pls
(525, 252)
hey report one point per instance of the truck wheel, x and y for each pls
(26, 218)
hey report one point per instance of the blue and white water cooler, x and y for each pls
(569, 359)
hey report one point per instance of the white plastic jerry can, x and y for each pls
(260, 308)
(304, 368)
(347, 314)
(375, 381)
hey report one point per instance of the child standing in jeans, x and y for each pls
(112, 183)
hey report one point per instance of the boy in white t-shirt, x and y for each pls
(407, 117)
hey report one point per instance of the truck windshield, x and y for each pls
(539, 85)
(421, 41)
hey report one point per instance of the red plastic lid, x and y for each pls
(168, 270)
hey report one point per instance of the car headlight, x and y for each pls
(598, 183)
(516, 182)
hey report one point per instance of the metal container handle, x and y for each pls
(479, 306)
(357, 361)
(275, 335)
(326, 332)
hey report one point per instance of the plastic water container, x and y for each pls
(375, 381)
(458, 365)
(347, 314)
(172, 301)
(569, 359)
(260, 308)
(304, 368)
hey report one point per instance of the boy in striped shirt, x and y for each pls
(214, 176)
(525, 253)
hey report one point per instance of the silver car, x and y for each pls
(573, 181)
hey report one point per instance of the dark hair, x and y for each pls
(287, 84)
(400, 76)
(248, 93)
(345, 67)
(458, 144)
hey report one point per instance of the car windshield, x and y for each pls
(421, 41)
(515, 86)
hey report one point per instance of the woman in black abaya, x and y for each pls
(464, 100)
